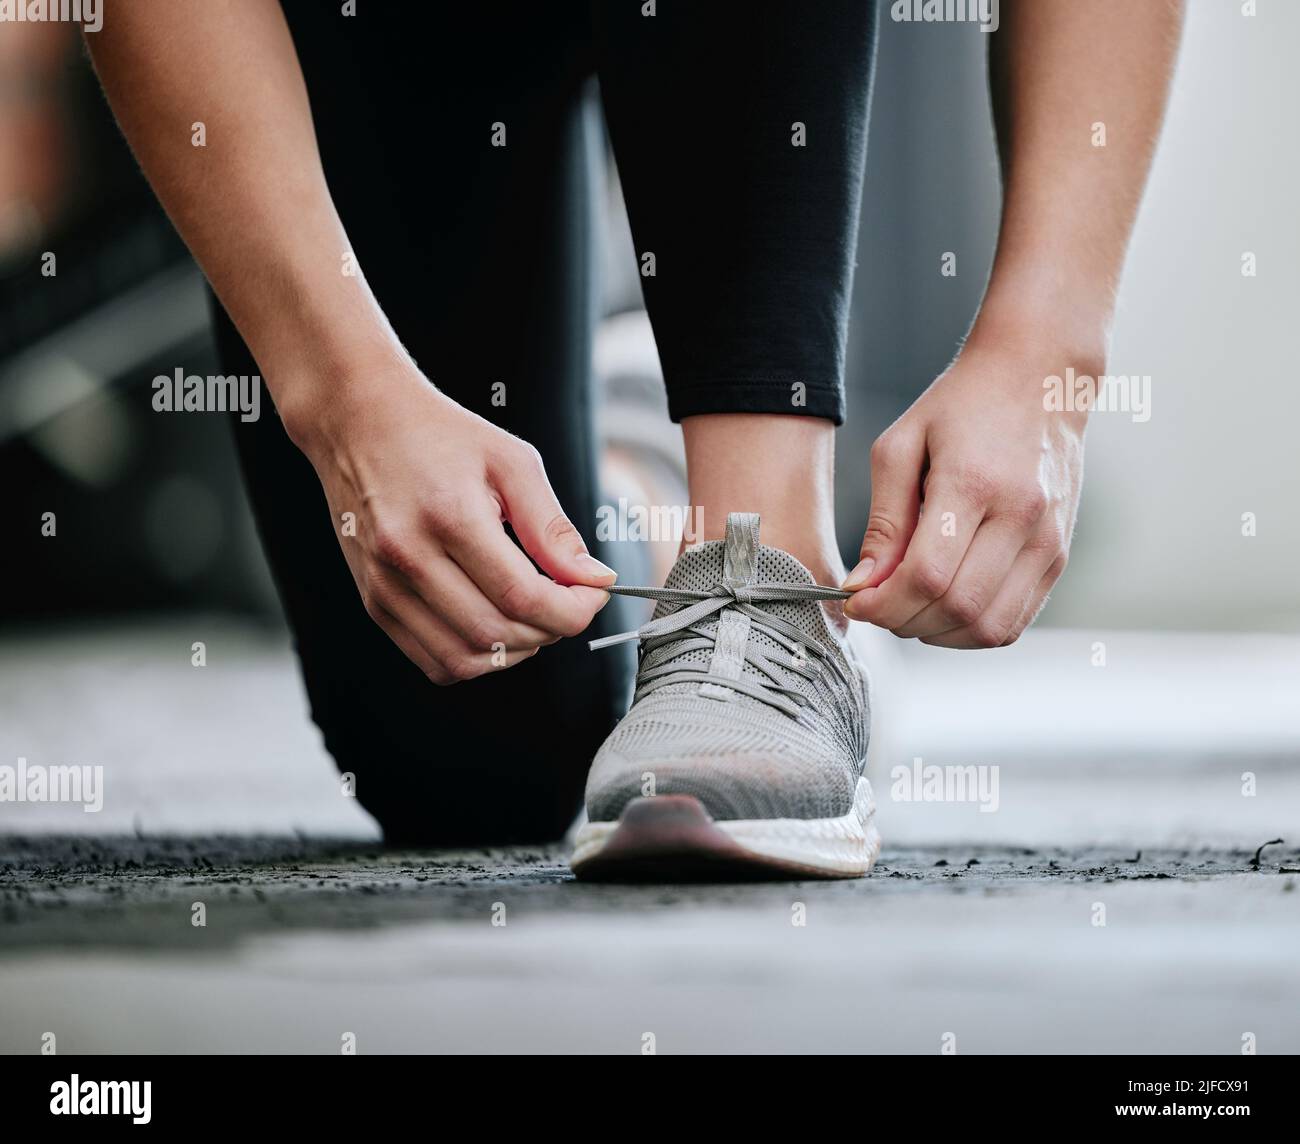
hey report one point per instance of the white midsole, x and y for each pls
(848, 844)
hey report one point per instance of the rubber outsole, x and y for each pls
(672, 838)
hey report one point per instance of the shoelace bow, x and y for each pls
(681, 631)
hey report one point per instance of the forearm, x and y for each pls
(252, 203)
(1057, 68)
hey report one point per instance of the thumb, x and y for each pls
(896, 463)
(547, 534)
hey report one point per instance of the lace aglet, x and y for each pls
(610, 641)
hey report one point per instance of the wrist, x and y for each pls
(1055, 337)
(1039, 310)
(322, 342)
(327, 397)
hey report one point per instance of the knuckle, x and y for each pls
(377, 594)
(446, 518)
(440, 676)
(880, 531)
(990, 633)
(1025, 503)
(930, 580)
(559, 528)
(463, 668)
(483, 635)
(1048, 538)
(1057, 569)
(392, 548)
(962, 608)
(528, 457)
(435, 517)
(977, 482)
(885, 450)
(520, 600)
(479, 636)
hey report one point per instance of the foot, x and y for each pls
(743, 752)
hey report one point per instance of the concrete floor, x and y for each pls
(981, 925)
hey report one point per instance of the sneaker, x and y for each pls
(742, 754)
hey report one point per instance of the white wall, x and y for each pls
(1159, 541)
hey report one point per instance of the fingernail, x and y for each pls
(859, 576)
(595, 568)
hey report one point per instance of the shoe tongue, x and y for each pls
(742, 559)
(697, 569)
(701, 567)
(739, 558)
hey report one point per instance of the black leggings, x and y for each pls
(481, 257)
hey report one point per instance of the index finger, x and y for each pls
(948, 523)
(507, 577)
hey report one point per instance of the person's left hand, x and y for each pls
(974, 495)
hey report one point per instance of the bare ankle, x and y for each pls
(781, 467)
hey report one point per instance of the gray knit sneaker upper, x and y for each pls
(745, 697)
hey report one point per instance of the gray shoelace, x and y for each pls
(682, 631)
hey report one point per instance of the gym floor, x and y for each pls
(1124, 893)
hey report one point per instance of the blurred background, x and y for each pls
(1199, 666)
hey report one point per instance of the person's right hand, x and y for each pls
(428, 485)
